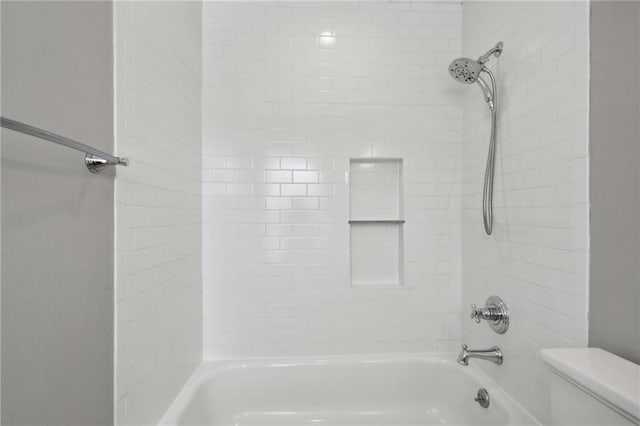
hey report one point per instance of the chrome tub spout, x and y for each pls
(493, 354)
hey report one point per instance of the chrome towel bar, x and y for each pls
(94, 159)
(377, 221)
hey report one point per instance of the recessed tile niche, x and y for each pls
(376, 222)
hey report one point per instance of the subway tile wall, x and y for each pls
(158, 204)
(537, 259)
(292, 92)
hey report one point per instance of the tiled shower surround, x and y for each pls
(538, 258)
(158, 205)
(292, 92)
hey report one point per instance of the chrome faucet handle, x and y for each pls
(494, 312)
(476, 313)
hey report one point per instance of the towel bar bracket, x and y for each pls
(97, 164)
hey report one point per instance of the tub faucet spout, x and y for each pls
(493, 354)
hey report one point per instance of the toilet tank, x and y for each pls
(590, 386)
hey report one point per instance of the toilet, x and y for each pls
(590, 386)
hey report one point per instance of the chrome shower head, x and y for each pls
(468, 71)
(465, 70)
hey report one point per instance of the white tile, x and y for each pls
(293, 163)
(323, 108)
(376, 189)
(294, 189)
(376, 255)
(279, 203)
(279, 176)
(305, 177)
(537, 258)
(163, 263)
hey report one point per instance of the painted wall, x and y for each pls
(537, 260)
(284, 109)
(158, 205)
(615, 180)
(0, 227)
(57, 218)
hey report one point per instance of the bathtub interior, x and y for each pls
(374, 392)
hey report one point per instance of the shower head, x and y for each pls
(468, 71)
(465, 70)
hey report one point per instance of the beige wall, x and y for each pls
(615, 181)
(57, 218)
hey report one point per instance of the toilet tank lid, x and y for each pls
(604, 374)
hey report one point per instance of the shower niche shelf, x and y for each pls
(376, 223)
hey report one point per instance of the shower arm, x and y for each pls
(496, 50)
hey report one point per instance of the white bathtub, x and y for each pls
(385, 390)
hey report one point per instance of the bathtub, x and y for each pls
(386, 390)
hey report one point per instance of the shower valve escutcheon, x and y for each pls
(494, 312)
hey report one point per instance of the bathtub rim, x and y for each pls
(209, 368)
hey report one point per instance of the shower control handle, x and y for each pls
(494, 312)
(475, 314)
(486, 313)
